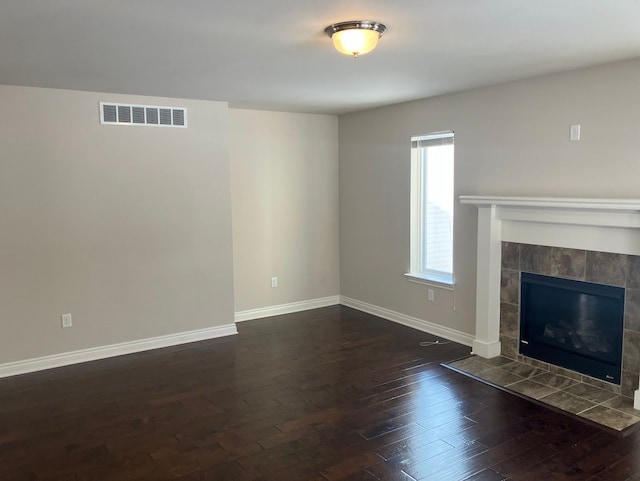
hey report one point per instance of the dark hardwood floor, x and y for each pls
(330, 394)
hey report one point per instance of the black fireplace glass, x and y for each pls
(573, 324)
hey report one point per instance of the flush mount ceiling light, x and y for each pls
(355, 37)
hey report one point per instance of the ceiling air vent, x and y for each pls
(149, 115)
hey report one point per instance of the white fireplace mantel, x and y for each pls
(605, 225)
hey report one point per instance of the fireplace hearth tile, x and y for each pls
(554, 380)
(610, 417)
(607, 268)
(572, 396)
(531, 388)
(472, 365)
(624, 404)
(590, 393)
(523, 370)
(500, 377)
(497, 361)
(568, 402)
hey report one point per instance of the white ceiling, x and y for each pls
(273, 54)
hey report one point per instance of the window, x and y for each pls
(432, 208)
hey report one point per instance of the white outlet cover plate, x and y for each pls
(66, 320)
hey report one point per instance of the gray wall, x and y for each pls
(130, 229)
(126, 228)
(285, 207)
(511, 139)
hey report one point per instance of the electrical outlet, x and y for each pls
(66, 320)
(274, 282)
(431, 295)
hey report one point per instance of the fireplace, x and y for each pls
(572, 324)
(601, 235)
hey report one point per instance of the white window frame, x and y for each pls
(417, 273)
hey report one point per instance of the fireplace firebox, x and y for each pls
(573, 324)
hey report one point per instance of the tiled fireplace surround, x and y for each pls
(600, 267)
(596, 240)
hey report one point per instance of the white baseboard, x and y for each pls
(487, 350)
(250, 314)
(102, 352)
(414, 322)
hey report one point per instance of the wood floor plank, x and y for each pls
(331, 394)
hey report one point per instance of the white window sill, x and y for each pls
(433, 281)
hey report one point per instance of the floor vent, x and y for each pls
(149, 115)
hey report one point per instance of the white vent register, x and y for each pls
(142, 115)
